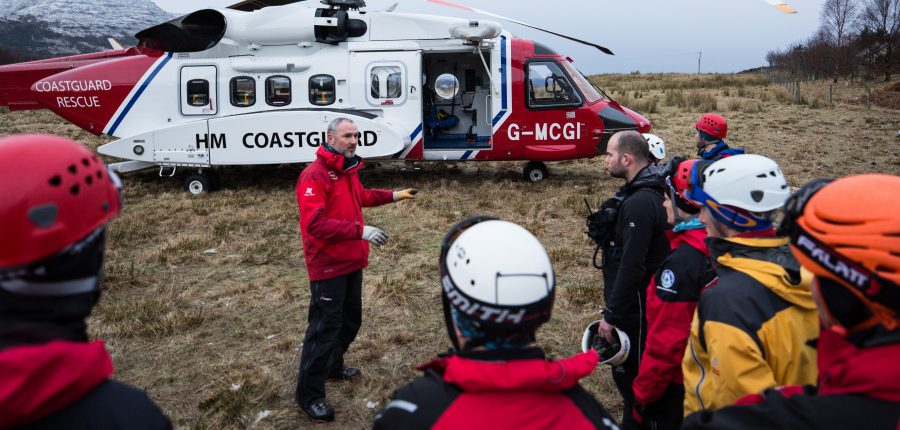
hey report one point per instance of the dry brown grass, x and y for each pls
(205, 297)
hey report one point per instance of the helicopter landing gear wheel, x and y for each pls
(198, 183)
(535, 171)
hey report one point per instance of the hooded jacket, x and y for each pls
(65, 384)
(331, 198)
(720, 151)
(754, 329)
(672, 297)
(641, 246)
(498, 389)
(858, 389)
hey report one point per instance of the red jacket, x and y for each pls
(331, 221)
(672, 297)
(64, 384)
(500, 389)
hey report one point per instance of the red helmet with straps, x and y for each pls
(713, 124)
(54, 192)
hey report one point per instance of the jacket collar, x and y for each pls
(767, 260)
(846, 369)
(338, 162)
(648, 177)
(513, 370)
(696, 238)
(40, 380)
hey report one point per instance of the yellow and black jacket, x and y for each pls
(752, 331)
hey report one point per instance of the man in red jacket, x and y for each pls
(672, 297)
(498, 288)
(847, 233)
(56, 198)
(336, 248)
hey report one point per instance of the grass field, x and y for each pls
(205, 297)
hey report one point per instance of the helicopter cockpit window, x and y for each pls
(278, 90)
(386, 82)
(590, 91)
(243, 91)
(548, 86)
(198, 92)
(321, 90)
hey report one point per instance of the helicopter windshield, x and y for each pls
(588, 89)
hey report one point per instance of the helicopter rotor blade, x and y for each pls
(782, 6)
(251, 5)
(479, 11)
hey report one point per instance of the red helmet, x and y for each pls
(713, 124)
(54, 192)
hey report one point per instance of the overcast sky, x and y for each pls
(646, 35)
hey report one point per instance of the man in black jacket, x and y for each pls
(639, 246)
(56, 200)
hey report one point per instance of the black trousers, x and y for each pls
(335, 315)
(624, 374)
(667, 413)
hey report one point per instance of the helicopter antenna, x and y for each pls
(564, 36)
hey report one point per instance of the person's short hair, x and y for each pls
(631, 142)
(334, 124)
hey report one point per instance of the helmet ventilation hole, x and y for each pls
(472, 282)
(761, 175)
(99, 174)
(757, 195)
(72, 169)
(89, 179)
(84, 161)
(74, 190)
(55, 181)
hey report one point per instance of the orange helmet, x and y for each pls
(847, 233)
(54, 192)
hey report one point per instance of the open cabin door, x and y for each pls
(458, 107)
(389, 84)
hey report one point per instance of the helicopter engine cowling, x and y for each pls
(271, 26)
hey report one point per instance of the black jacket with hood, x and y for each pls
(640, 247)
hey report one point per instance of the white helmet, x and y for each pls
(497, 274)
(657, 146)
(613, 354)
(748, 181)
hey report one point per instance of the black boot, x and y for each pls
(318, 411)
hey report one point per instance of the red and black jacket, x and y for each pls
(64, 384)
(672, 297)
(331, 199)
(514, 389)
(858, 389)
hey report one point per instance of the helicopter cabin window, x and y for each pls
(278, 90)
(549, 87)
(385, 84)
(321, 90)
(198, 92)
(243, 91)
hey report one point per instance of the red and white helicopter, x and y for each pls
(258, 82)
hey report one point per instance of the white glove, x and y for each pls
(374, 235)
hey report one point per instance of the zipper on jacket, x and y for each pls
(702, 373)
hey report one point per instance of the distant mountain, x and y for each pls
(51, 28)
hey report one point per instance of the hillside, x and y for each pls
(49, 28)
